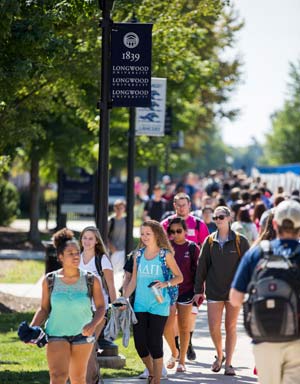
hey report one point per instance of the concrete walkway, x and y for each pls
(199, 371)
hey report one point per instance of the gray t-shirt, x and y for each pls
(118, 234)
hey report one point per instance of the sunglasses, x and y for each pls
(172, 231)
(221, 217)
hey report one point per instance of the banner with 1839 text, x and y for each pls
(131, 64)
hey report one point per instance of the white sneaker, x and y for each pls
(145, 374)
(164, 373)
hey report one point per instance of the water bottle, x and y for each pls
(157, 292)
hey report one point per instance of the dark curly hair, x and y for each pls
(62, 239)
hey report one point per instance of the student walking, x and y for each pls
(218, 261)
(93, 258)
(151, 263)
(276, 362)
(70, 324)
(186, 256)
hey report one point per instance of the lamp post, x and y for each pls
(105, 106)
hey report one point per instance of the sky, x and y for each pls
(268, 42)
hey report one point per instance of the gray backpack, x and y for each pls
(271, 313)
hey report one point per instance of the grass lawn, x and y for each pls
(21, 272)
(26, 364)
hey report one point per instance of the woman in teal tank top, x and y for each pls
(70, 324)
(151, 313)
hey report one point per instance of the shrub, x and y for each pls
(9, 201)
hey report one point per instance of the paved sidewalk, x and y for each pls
(199, 371)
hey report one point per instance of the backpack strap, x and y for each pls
(138, 256)
(98, 259)
(198, 222)
(111, 227)
(50, 277)
(90, 283)
(210, 241)
(192, 249)
(238, 243)
(165, 270)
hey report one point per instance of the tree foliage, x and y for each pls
(283, 142)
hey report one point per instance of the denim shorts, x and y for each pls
(74, 340)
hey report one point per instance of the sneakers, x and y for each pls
(164, 373)
(191, 354)
(145, 374)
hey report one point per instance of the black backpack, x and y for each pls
(271, 313)
(98, 259)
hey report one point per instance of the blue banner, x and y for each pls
(284, 168)
(131, 65)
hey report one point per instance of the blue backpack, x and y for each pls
(172, 291)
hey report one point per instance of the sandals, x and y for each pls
(229, 370)
(217, 364)
(171, 362)
(180, 368)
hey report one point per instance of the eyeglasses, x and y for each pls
(221, 217)
(172, 231)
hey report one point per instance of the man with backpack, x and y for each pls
(197, 230)
(270, 274)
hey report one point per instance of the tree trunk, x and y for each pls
(34, 207)
(61, 219)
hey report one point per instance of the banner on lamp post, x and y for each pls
(151, 121)
(131, 64)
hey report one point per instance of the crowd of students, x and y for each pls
(194, 238)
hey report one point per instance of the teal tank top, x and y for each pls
(70, 307)
(148, 271)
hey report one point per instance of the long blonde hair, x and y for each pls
(161, 237)
(100, 248)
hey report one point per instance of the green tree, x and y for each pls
(283, 142)
(49, 72)
(188, 43)
(47, 85)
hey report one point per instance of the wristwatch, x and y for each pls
(169, 283)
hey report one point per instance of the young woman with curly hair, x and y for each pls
(70, 324)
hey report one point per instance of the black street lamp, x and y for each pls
(101, 203)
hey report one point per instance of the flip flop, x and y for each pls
(180, 368)
(229, 370)
(217, 364)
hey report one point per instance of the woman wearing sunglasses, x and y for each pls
(186, 256)
(218, 261)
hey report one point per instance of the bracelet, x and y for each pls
(169, 284)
